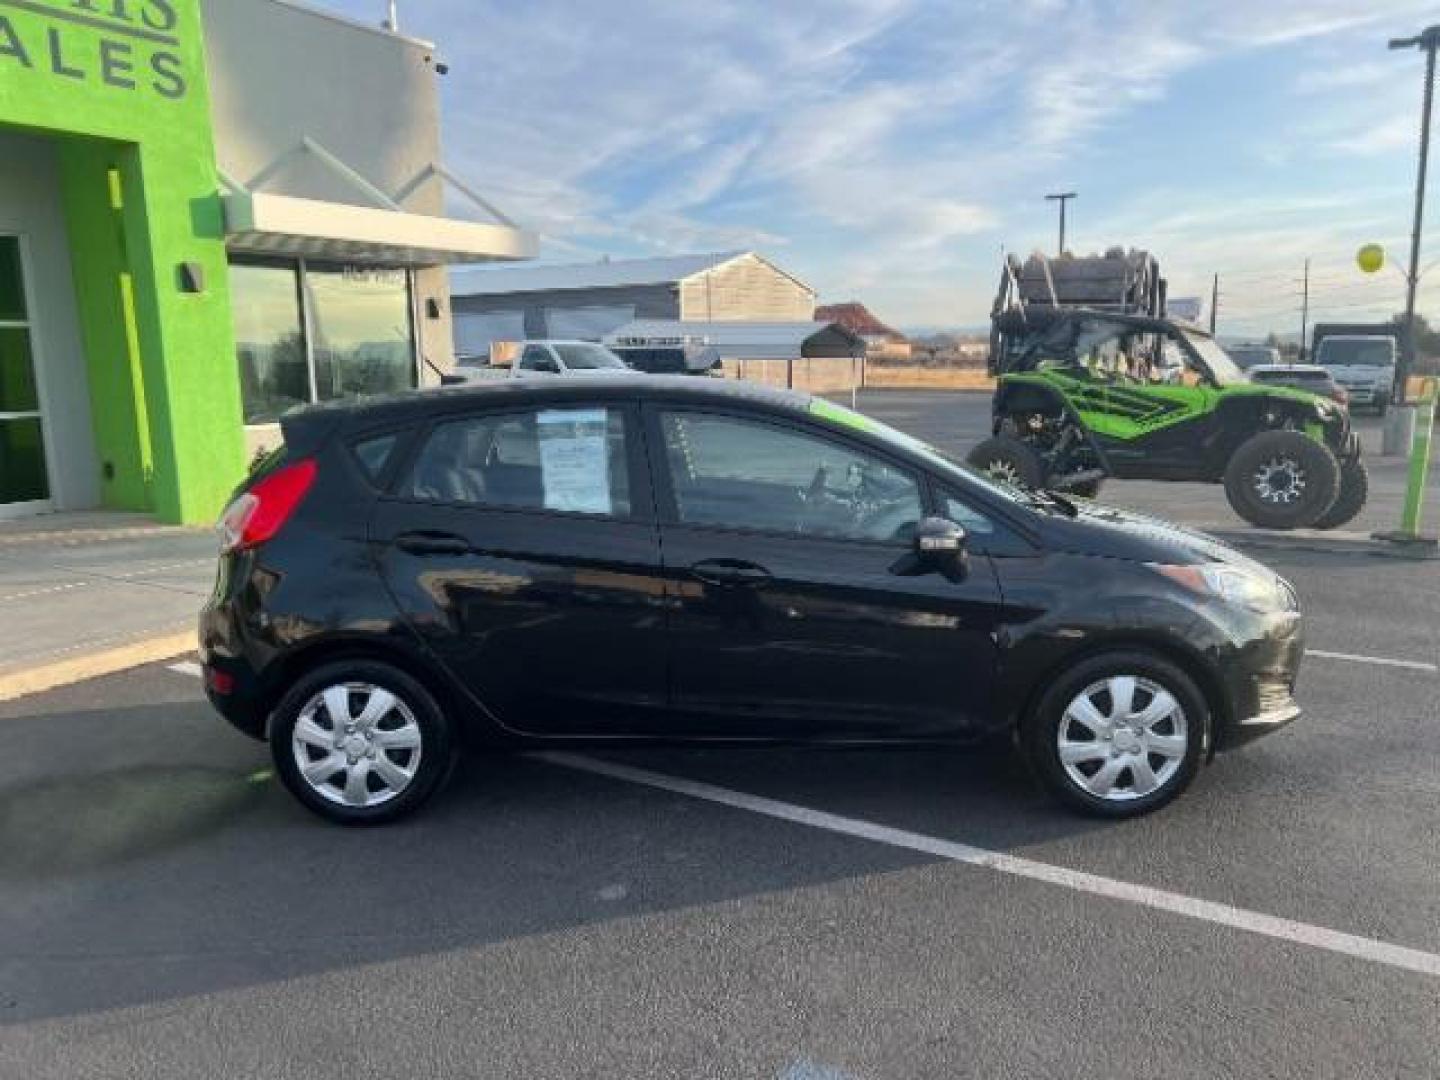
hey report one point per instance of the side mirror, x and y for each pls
(941, 544)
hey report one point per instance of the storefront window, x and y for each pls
(269, 339)
(305, 332)
(360, 319)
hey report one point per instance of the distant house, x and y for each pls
(590, 300)
(881, 341)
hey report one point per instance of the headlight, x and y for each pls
(1230, 584)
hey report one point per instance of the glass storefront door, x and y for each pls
(24, 480)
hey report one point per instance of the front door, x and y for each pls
(521, 547)
(24, 479)
(796, 608)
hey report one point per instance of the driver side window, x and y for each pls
(537, 358)
(726, 471)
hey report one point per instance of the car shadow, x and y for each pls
(152, 848)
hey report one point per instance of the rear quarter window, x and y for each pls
(374, 454)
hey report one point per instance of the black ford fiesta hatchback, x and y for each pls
(530, 563)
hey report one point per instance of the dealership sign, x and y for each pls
(128, 45)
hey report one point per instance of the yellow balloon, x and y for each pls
(1371, 258)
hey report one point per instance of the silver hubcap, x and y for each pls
(1122, 738)
(1280, 481)
(357, 744)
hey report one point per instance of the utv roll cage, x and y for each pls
(1039, 300)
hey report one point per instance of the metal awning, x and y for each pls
(259, 222)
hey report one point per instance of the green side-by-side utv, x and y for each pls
(1086, 393)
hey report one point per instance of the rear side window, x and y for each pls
(374, 454)
(572, 460)
(537, 358)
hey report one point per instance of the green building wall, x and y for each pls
(121, 86)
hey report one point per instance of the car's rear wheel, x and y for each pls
(1011, 460)
(1282, 480)
(1118, 735)
(1354, 490)
(360, 742)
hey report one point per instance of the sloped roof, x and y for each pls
(736, 339)
(857, 318)
(492, 281)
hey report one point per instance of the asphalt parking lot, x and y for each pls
(167, 910)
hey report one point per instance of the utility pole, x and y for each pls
(393, 22)
(1214, 301)
(1429, 40)
(1062, 198)
(1305, 311)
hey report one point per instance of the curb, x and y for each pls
(79, 538)
(1353, 544)
(105, 662)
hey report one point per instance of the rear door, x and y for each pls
(521, 546)
(796, 609)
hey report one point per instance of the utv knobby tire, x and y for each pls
(1019, 459)
(1319, 469)
(1354, 490)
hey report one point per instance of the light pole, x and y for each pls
(1429, 40)
(1062, 198)
(393, 22)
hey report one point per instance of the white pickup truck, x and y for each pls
(540, 358)
(1363, 364)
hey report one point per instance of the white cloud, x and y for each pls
(891, 146)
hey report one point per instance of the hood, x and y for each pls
(1109, 532)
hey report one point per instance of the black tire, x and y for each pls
(1010, 459)
(436, 750)
(1354, 490)
(1041, 731)
(1255, 479)
(1382, 407)
(1090, 489)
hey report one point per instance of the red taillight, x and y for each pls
(222, 682)
(258, 514)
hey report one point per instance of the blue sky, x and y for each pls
(887, 150)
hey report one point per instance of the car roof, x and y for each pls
(412, 405)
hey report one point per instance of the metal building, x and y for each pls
(590, 300)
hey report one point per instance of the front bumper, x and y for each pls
(1260, 680)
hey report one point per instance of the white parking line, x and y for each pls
(1383, 661)
(187, 667)
(1255, 922)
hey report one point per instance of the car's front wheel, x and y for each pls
(360, 742)
(1118, 735)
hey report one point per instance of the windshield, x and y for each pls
(588, 357)
(1248, 357)
(1356, 352)
(1224, 369)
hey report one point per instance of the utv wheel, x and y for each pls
(1011, 460)
(1118, 735)
(1354, 490)
(361, 743)
(1282, 480)
(1090, 489)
